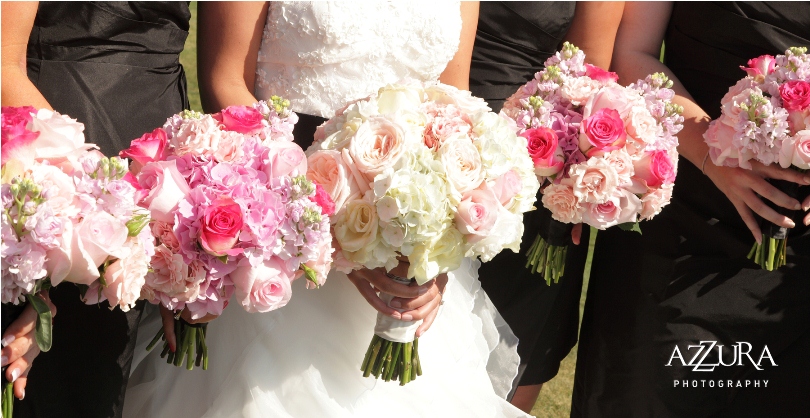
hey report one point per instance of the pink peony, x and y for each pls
(166, 187)
(124, 278)
(655, 168)
(795, 95)
(477, 214)
(242, 119)
(146, 149)
(602, 132)
(600, 75)
(262, 288)
(222, 223)
(545, 151)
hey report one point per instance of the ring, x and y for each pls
(397, 278)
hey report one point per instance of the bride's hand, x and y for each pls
(168, 323)
(746, 189)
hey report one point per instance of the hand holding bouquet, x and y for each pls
(766, 118)
(233, 213)
(422, 171)
(607, 152)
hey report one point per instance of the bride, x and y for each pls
(304, 360)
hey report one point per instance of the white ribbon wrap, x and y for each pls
(393, 329)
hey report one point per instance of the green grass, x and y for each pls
(555, 398)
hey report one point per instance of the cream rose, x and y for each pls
(462, 163)
(642, 126)
(378, 144)
(356, 229)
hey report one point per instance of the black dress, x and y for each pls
(687, 279)
(115, 67)
(512, 42)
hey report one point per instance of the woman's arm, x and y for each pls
(457, 72)
(594, 30)
(17, 89)
(638, 44)
(228, 41)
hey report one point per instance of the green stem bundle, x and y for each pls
(8, 400)
(546, 259)
(771, 254)
(389, 360)
(191, 346)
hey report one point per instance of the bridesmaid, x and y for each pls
(686, 280)
(512, 42)
(115, 67)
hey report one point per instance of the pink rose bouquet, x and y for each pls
(427, 172)
(233, 214)
(766, 117)
(607, 153)
(69, 215)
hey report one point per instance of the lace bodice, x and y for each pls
(321, 55)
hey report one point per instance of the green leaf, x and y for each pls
(44, 331)
(310, 275)
(630, 226)
(223, 259)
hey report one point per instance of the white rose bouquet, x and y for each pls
(427, 172)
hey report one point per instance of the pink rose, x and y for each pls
(125, 277)
(146, 149)
(284, 159)
(759, 67)
(326, 168)
(443, 121)
(593, 181)
(506, 187)
(563, 204)
(222, 222)
(58, 138)
(600, 75)
(262, 288)
(477, 214)
(616, 98)
(799, 121)
(172, 277)
(795, 95)
(545, 151)
(16, 137)
(622, 207)
(653, 202)
(98, 236)
(166, 187)
(602, 132)
(377, 145)
(720, 139)
(242, 119)
(655, 168)
(322, 199)
(796, 151)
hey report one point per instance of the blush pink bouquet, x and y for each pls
(766, 118)
(233, 214)
(427, 172)
(606, 153)
(69, 215)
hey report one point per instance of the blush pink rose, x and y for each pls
(720, 139)
(15, 133)
(221, 225)
(506, 187)
(378, 144)
(594, 181)
(242, 119)
(262, 288)
(98, 236)
(799, 121)
(795, 95)
(284, 159)
(602, 132)
(477, 214)
(229, 147)
(326, 168)
(654, 169)
(146, 149)
(760, 66)
(545, 150)
(563, 203)
(796, 151)
(622, 207)
(166, 187)
(654, 202)
(616, 98)
(600, 75)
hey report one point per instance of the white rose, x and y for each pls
(462, 163)
(356, 229)
(399, 97)
(642, 126)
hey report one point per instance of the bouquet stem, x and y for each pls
(390, 360)
(8, 399)
(191, 346)
(547, 254)
(772, 253)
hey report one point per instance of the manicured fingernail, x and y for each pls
(407, 317)
(15, 374)
(395, 304)
(3, 361)
(791, 224)
(396, 315)
(7, 340)
(23, 395)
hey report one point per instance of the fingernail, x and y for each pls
(395, 304)
(23, 395)
(396, 315)
(806, 179)
(8, 339)
(15, 374)
(797, 206)
(407, 317)
(791, 224)
(3, 361)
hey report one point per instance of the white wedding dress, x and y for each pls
(303, 360)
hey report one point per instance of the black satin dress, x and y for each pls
(512, 42)
(115, 67)
(687, 279)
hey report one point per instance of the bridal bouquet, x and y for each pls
(233, 213)
(607, 152)
(766, 117)
(422, 171)
(69, 214)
